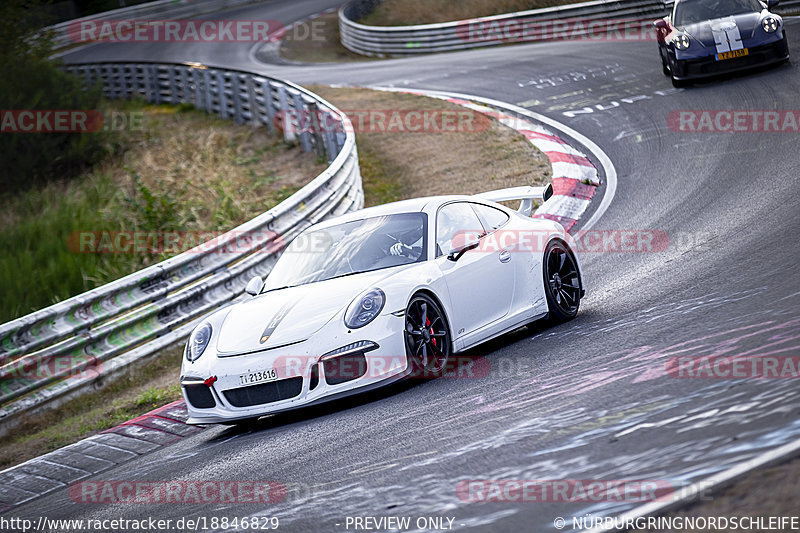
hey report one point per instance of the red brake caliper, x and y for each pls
(433, 339)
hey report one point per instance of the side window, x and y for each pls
(491, 217)
(453, 222)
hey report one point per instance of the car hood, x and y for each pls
(291, 315)
(703, 32)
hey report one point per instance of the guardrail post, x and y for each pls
(333, 148)
(197, 97)
(319, 139)
(269, 107)
(154, 94)
(209, 97)
(173, 85)
(98, 74)
(303, 122)
(186, 93)
(123, 73)
(87, 76)
(286, 118)
(236, 89)
(252, 101)
(221, 96)
(136, 72)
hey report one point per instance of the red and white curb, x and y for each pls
(58, 469)
(575, 178)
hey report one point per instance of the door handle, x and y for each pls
(505, 256)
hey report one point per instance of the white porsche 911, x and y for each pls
(368, 298)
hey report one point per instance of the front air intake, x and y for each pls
(274, 391)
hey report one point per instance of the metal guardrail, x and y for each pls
(448, 36)
(161, 9)
(62, 348)
(527, 26)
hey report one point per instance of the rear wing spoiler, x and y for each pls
(527, 194)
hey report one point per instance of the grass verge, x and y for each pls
(394, 165)
(410, 12)
(318, 42)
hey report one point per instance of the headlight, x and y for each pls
(769, 24)
(198, 341)
(682, 42)
(364, 309)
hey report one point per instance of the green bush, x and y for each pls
(30, 81)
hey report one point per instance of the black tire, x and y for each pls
(427, 337)
(562, 283)
(664, 66)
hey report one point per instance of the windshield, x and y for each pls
(693, 11)
(350, 248)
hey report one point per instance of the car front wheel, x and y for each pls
(562, 284)
(427, 336)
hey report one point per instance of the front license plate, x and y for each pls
(733, 53)
(260, 376)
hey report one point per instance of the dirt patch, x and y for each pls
(399, 164)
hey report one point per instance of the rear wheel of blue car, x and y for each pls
(427, 336)
(562, 284)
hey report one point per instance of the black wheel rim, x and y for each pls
(563, 281)
(427, 338)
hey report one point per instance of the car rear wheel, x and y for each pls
(562, 284)
(427, 336)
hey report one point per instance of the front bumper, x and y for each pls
(707, 66)
(298, 384)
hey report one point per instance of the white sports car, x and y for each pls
(365, 299)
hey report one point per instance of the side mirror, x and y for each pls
(254, 286)
(470, 241)
(661, 24)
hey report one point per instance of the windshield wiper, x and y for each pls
(317, 281)
(278, 289)
(348, 274)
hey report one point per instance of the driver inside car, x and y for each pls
(413, 250)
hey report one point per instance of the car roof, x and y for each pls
(415, 205)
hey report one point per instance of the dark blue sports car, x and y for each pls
(706, 37)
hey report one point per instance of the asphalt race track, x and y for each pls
(586, 400)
